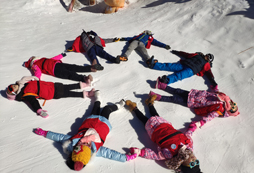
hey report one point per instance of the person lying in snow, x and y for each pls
(140, 43)
(54, 67)
(207, 104)
(92, 44)
(174, 146)
(90, 137)
(194, 63)
(29, 88)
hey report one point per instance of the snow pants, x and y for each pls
(97, 50)
(140, 47)
(180, 71)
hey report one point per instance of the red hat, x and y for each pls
(27, 64)
(78, 166)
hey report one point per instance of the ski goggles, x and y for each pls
(193, 164)
(11, 90)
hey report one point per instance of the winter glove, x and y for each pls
(122, 39)
(42, 113)
(139, 152)
(214, 88)
(40, 132)
(87, 139)
(131, 157)
(174, 52)
(63, 54)
(116, 39)
(194, 125)
(167, 47)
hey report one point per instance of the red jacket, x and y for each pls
(174, 142)
(203, 111)
(101, 128)
(46, 65)
(44, 90)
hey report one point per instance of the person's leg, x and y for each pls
(61, 72)
(175, 99)
(140, 115)
(175, 67)
(68, 93)
(103, 54)
(107, 110)
(143, 51)
(152, 110)
(186, 73)
(133, 45)
(92, 54)
(96, 108)
(74, 67)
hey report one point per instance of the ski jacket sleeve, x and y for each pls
(58, 137)
(36, 70)
(108, 40)
(111, 154)
(185, 55)
(162, 154)
(33, 102)
(157, 43)
(26, 79)
(58, 57)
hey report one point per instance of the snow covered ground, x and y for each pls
(44, 28)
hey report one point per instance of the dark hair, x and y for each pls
(186, 169)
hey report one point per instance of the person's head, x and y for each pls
(80, 156)
(185, 161)
(11, 91)
(233, 108)
(147, 32)
(29, 63)
(209, 57)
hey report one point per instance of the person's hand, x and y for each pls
(139, 152)
(131, 157)
(63, 54)
(167, 47)
(122, 39)
(40, 132)
(214, 88)
(42, 113)
(174, 51)
(116, 39)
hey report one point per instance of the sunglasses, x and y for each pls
(233, 107)
(11, 89)
(193, 164)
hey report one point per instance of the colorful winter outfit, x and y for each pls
(89, 139)
(192, 64)
(92, 44)
(207, 104)
(30, 88)
(142, 42)
(173, 146)
(55, 67)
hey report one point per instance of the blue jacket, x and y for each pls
(144, 39)
(102, 152)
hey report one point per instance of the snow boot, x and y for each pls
(122, 58)
(84, 85)
(158, 96)
(164, 79)
(131, 105)
(97, 95)
(92, 2)
(151, 99)
(88, 93)
(150, 62)
(120, 104)
(160, 85)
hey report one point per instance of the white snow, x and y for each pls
(44, 28)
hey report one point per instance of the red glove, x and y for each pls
(41, 132)
(139, 152)
(131, 157)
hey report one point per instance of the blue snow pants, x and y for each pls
(181, 71)
(97, 50)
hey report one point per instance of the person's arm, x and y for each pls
(160, 155)
(114, 155)
(37, 71)
(33, 102)
(59, 57)
(184, 54)
(26, 79)
(158, 43)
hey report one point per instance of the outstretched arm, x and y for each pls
(184, 54)
(37, 71)
(58, 57)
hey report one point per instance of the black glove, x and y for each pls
(167, 47)
(116, 39)
(174, 52)
(122, 39)
(64, 54)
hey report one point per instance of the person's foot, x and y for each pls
(158, 95)
(92, 2)
(70, 49)
(150, 62)
(164, 79)
(160, 85)
(131, 105)
(120, 104)
(97, 95)
(122, 58)
(151, 99)
(95, 66)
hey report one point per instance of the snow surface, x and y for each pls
(44, 28)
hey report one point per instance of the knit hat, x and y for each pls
(80, 156)
(210, 57)
(147, 32)
(9, 93)
(29, 63)
(175, 162)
